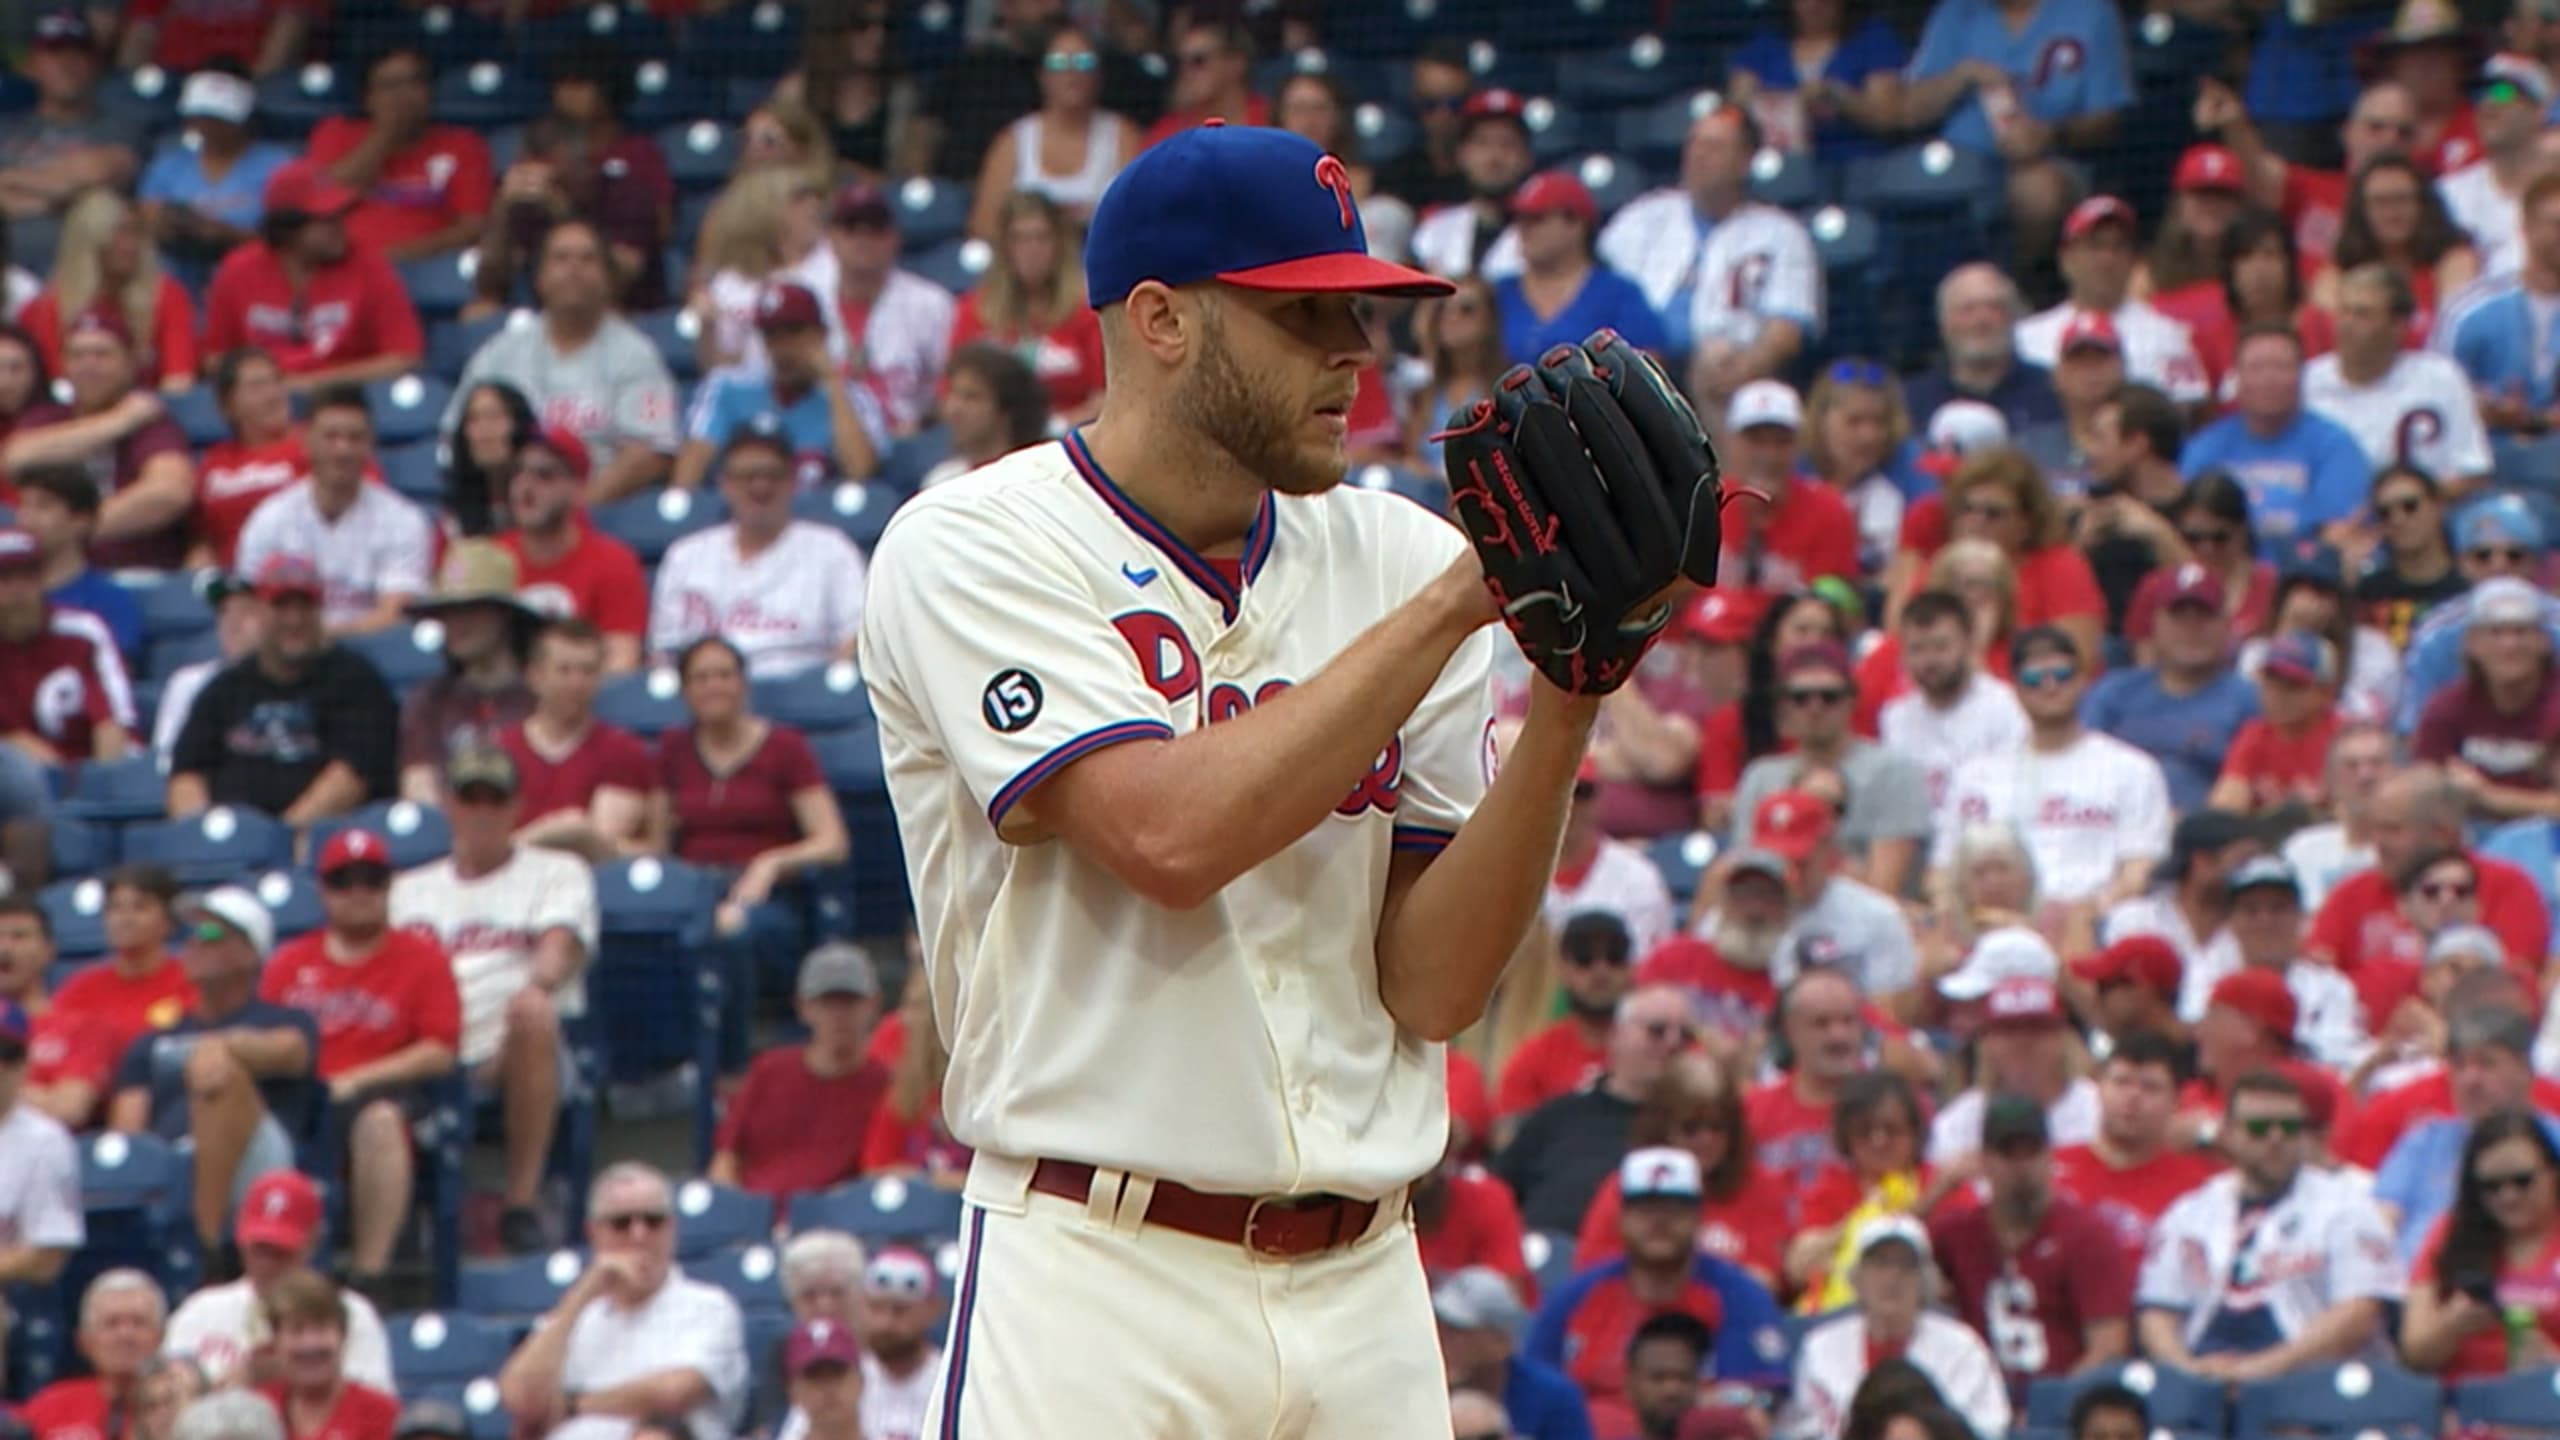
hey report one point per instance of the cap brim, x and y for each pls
(273, 593)
(1342, 274)
(280, 1233)
(1963, 986)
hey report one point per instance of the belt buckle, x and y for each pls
(1252, 1225)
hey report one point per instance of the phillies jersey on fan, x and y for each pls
(2158, 351)
(787, 609)
(1240, 1044)
(1444, 243)
(2322, 1244)
(2421, 412)
(2083, 810)
(1985, 720)
(64, 682)
(490, 925)
(1732, 276)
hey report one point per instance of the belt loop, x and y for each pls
(1136, 1198)
(1102, 1197)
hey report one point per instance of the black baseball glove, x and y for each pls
(1589, 490)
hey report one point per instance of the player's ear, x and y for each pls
(1158, 320)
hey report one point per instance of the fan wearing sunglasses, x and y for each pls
(1066, 151)
(2415, 569)
(2508, 104)
(632, 1337)
(2487, 1044)
(1426, 175)
(2484, 1297)
(1887, 816)
(1212, 80)
(2494, 536)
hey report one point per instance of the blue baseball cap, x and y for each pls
(1249, 206)
(2500, 517)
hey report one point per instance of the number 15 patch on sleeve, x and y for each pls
(1012, 700)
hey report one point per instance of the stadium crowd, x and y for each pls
(2060, 941)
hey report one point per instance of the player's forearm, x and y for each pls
(668, 1392)
(1448, 937)
(69, 1101)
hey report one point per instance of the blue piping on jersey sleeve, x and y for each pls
(1066, 754)
(1426, 839)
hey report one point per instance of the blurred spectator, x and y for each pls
(850, 76)
(265, 453)
(1481, 1320)
(822, 1276)
(566, 568)
(245, 1415)
(1736, 282)
(1892, 1279)
(2497, 535)
(187, 35)
(122, 1314)
(901, 1363)
(221, 1328)
(2491, 332)
(909, 1137)
(312, 1389)
(583, 784)
(2403, 406)
(890, 329)
(66, 1070)
(2412, 570)
(2279, 760)
(1820, 1026)
(2215, 524)
(2183, 270)
(1427, 175)
(788, 591)
(796, 1124)
(2097, 262)
(1212, 80)
(2313, 201)
(425, 187)
(834, 426)
(2494, 729)
(1594, 961)
(1823, 82)
(1830, 918)
(2131, 1171)
(1805, 530)
(1460, 339)
(229, 1077)
(68, 143)
(2094, 811)
(783, 134)
(298, 727)
(64, 697)
(1556, 1160)
(1595, 872)
(2305, 475)
(1031, 304)
(167, 1387)
(2304, 1286)
(2183, 708)
(493, 423)
(992, 405)
(1947, 707)
(371, 547)
(633, 1337)
(1855, 428)
(2430, 51)
(2395, 218)
(1745, 727)
(2126, 530)
(1563, 291)
(1978, 311)
(2324, 854)
(1725, 959)
(738, 794)
(2260, 285)
(1463, 1216)
(519, 922)
(2188, 904)
(1741, 1217)
(328, 307)
(1979, 578)
(1668, 1360)
(2480, 1301)
(1887, 818)
(488, 629)
(583, 368)
(39, 1171)
(390, 1020)
(239, 627)
(2488, 1057)
(106, 265)
(2033, 1268)
(767, 228)
(123, 434)
(578, 163)
(26, 386)
(1476, 237)
(1316, 105)
(2480, 198)
(2088, 372)
(1584, 1326)
(2417, 811)
(978, 92)
(1991, 888)
(204, 191)
(2330, 1017)
(1065, 151)
(823, 1361)
(2023, 1046)
(2001, 496)
(1475, 1415)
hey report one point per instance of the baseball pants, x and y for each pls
(1075, 1320)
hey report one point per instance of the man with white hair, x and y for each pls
(121, 1317)
(1977, 307)
(822, 1275)
(632, 1338)
(229, 1415)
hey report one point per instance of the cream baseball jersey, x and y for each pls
(1029, 614)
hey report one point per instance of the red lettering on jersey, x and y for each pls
(1165, 657)
(1379, 789)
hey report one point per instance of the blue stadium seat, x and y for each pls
(818, 700)
(1618, 77)
(291, 103)
(629, 31)
(674, 332)
(1683, 860)
(2177, 1399)
(1386, 134)
(148, 93)
(1550, 1257)
(76, 910)
(1583, 25)
(1929, 178)
(408, 408)
(217, 845)
(451, 342)
(861, 509)
(1613, 180)
(761, 40)
(752, 1276)
(114, 792)
(485, 94)
(907, 461)
(2519, 1406)
(2354, 1399)
(930, 211)
(1557, 134)
(173, 605)
(135, 1193)
(518, 1290)
(454, 37)
(435, 1348)
(850, 757)
(652, 521)
(417, 834)
(664, 94)
(955, 265)
(1850, 245)
(644, 702)
(881, 1211)
(657, 990)
(712, 1217)
(408, 655)
(743, 95)
(1656, 133)
(78, 847)
(196, 412)
(441, 285)
(700, 156)
(414, 471)
(1784, 179)
(293, 898)
(165, 656)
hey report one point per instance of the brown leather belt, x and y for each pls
(1278, 1228)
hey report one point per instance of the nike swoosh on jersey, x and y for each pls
(1140, 578)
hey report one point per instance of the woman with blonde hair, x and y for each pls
(784, 134)
(1854, 423)
(1031, 303)
(1067, 150)
(768, 226)
(106, 266)
(908, 1136)
(1461, 340)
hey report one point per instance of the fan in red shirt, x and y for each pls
(122, 1318)
(2313, 202)
(798, 1120)
(1741, 1215)
(1464, 1216)
(2000, 496)
(260, 36)
(263, 455)
(566, 566)
(426, 187)
(390, 1022)
(2132, 1171)
(2493, 1256)
(1593, 956)
(1803, 530)
(2416, 811)
(2281, 758)
(312, 1394)
(1823, 1033)
(585, 784)
(140, 988)
(63, 693)
(744, 796)
(2366, 1136)
(1657, 1229)
(1213, 81)
(1031, 304)
(326, 307)
(127, 285)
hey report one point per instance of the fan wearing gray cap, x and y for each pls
(1481, 1322)
(1894, 1280)
(798, 1121)
(2488, 1054)
(210, 189)
(2267, 929)
(220, 1077)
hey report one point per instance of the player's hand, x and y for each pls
(1590, 492)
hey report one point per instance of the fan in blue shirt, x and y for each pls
(2303, 473)
(2061, 61)
(1557, 220)
(2183, 710)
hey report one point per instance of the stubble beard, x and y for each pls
(1252, 427)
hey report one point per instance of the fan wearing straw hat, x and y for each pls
(488, 630)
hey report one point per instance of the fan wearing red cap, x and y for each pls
(390, 1021)
(280, 1222)
(567, 568)
(2135, 984)
(63, 688)
(2099, 254)
(325, 306)
(2267, 925)
(1564, 291)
